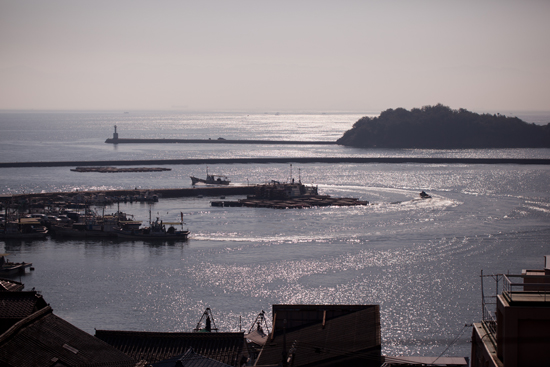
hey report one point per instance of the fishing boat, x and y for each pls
(24, 228)
(92, 225)
(9, 268)
(157, 230)
(211, 179)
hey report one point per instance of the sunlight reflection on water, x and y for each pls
(418, 259)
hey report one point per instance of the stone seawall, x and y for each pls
(305, 160)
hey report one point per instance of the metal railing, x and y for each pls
(489, 304)
(526, 288)
(529, 286)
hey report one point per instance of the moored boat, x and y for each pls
(157, 230)
(24, 228)
(94, 226)
(9, 268)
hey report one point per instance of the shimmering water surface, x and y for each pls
(419, 259)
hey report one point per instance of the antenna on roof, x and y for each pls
(208, 322)
(260, 323)
(258, 331)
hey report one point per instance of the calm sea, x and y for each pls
(420, 260)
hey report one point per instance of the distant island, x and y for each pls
(440, 127)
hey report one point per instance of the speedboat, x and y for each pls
(423, 195)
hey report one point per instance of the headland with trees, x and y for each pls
(440, 127)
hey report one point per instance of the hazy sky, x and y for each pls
(274, 55)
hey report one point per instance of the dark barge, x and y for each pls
(103, 169)
(278, 195)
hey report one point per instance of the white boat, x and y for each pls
(211, 179)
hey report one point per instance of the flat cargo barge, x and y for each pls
(104, 169)
(292, 195)
(292, 203)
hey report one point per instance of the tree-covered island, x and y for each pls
(440, 127)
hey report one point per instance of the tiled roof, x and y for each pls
(8, 285)
(43, 339)
(228, 348)
(15, 306)
(190, 359)
(347, 340)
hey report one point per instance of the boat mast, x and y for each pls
(291, 173)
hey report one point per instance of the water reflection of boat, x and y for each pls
(211, 179)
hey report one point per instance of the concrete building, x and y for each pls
(517, 332)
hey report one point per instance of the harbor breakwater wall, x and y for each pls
(216, 141)
(217, 191)
(305, 160)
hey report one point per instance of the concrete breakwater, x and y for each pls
(216, 141)
(328, 160)
(162, 193)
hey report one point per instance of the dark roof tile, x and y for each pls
(44, 339)
(153, 347)
(8, 285)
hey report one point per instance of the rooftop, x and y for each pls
(8, 285)
(324, 335)
(153, 347)
(43, 339)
